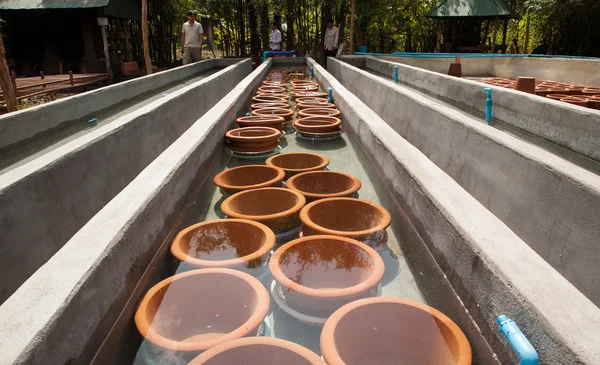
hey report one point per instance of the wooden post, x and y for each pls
(60, 70)
(438, 42)
(103, 22)
(9, 87)
(42, 75)
(504, 36)
(352, 8)
(494, 36)
(145, 43)
(71, 81)
(128, 55)
(526, 46)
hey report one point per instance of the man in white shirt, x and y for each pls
(191, 39)
(330, 43)
(275, 38)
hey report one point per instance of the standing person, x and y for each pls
(330, 44)
(191, 39)
(275, 38)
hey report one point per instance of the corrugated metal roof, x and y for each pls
(50, 4)
(484, 9)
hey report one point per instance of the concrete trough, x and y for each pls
(471, 265)
(45, 201)
(572, 127)
(550, 203)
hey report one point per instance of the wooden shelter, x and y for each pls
(463, 24)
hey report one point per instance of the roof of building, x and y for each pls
(481, 9)
(128, 9)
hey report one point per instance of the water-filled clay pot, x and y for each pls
(557, 96)
(269, 105)
(199, 309)
(589, 91)
(253, 139)
(224, 243)
(390, 331)
(274, 83)
(277, 208)
(270, 99)
(594, 103)
(322, 104)
(545, 91)
(306, 87)
(271, 89)
(298, 162)
(525, 84)
(248, 177)
(261, 121)
(576, 101)
(316, 185)
(311, 94)
(310, 99)
(286, 114)
(346, 217)
(317, 124)
(323, 112)
(258, 351)
(575, 89)
(319, 274)
(302, 82)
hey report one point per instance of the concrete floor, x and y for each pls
(39, 147)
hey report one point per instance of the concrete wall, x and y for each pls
(572, 127)
(569, 70)
(65, 310)
(26, 125)
(550, 203)
(464, 253)
(44, 202)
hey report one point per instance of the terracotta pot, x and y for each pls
(271, 89)
(252, 139)
(307, 87)
(310, 99)
(277, 208)
(575, 89)
(319, 274)
(594, 103)
(455, 69)
(317, 124)
(269, 105)
(274, 83)
(199, 309)
(316, 112)
(589, 91)
(302, 82)
(261, 121)
(298, 162)
(249, 177)
(258, 351)
(225, 243)
(557, 96)
(322, 104)
(346, 217)
(270, 99)
(310, 94)
(388, 330)
(286, 114)
(317, 185)
(525, 84)
(576, 101)
(550, 90)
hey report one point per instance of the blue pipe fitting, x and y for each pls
(330, 95)
(265, 54)
(518, 341)
(395, 74)
(311, 72)
(488, 106)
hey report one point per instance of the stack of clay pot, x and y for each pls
(317, 119)
(253, 140)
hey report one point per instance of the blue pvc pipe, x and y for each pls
(518, 341)
(488, 106)
(330, 95)
(396, 74)
(311, 72)
(466, 55)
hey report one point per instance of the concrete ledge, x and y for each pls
(550, 203)
(64, 311)
(21, 127)
(489, 268)
(572, 127)
(44, 202)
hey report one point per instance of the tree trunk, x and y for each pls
(253, 24)
(352, 8)
(242, 27)
(504, 36)
(264, 24)
(494, 36)
(145, 42)
(6, 82)
(526, 46)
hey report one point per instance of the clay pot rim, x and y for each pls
(296, 208)
(182, 256)
(288, 112)
(302, 99)
(218, 179)
(272, 87)
(356, 184)
(144, 325)
(281, 95)
(327, 342)
(371, 281)
(272, 133)
(387, 218)
(322, 165)
(326, 105)
(310, 94)
(299, 350)
(306, 112)
(270, 105)
(264, 118)
(275, 99)
(336, 121)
